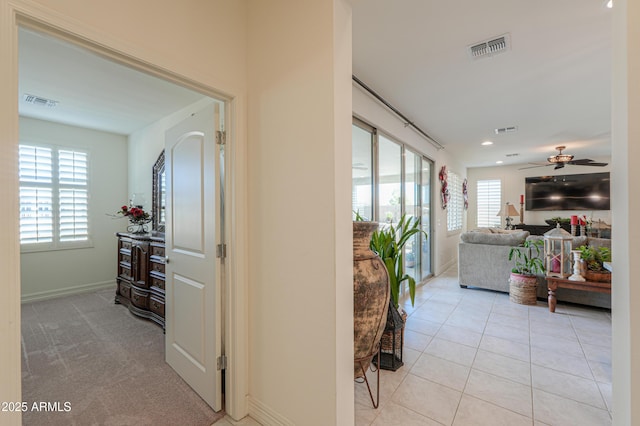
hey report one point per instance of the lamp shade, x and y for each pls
(508, 210)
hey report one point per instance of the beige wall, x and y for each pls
(625, 177)
(54, 273)
(298, 263)
(202, 43)
(300, 220)
(512, 181)
(371, 111)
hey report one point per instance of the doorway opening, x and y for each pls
(89, 116)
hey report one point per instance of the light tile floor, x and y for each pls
(472, 357)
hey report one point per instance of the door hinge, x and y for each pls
(221, 251)
(221, 137)
(222, 362)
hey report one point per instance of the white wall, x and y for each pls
(625, 176)
(145, 145)
(54, 273)
(512, 180)
(300, 234)
(366, 108)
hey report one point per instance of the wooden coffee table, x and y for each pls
(554, 283)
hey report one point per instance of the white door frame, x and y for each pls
(235, 310)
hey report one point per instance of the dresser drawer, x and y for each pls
(140, 299)
(124, 290)
(125, 257)
(124, 271)
(125, 244)
(157, 267)
(157, 282)
(156, 305)
(157, 250)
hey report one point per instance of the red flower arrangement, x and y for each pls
(136, 215)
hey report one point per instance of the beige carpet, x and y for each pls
(99, 365)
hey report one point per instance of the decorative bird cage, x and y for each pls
(557, 252)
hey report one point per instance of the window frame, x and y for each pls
(56, 186)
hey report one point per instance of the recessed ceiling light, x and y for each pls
(609, 4)
(499, 162)
(486, 143)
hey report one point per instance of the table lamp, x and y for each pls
(508, 210)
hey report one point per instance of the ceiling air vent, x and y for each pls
(37, 100)
(503, 130)
(491, 47)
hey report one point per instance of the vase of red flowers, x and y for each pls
(138, 219)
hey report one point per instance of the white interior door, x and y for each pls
(193, 321)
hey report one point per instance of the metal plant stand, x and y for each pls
(362, 363)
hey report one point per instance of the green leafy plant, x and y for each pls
(358, 217)
(389, 244)
(595, 256)
(527, 258)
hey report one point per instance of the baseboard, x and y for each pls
(265, 415)
(67, 291)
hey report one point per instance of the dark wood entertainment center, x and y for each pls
(541, 229)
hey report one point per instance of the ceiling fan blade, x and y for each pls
(534, 166)
(580, 161)
(558, 166)
(586, 162)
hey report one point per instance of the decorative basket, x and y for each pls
(601, 277)
(522, 289)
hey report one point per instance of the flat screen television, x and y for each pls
(590, 191)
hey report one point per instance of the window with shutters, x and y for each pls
(455, 206)
(54, 198)
(489, 203)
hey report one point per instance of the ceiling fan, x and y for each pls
(560, 160)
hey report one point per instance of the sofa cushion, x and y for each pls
(509, 239)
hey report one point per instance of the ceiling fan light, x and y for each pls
(560, 158)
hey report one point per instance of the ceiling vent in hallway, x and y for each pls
(503, 130)
(37, 100)
(491, 47)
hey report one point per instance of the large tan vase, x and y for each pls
(371, 295)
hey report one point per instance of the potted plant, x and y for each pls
(594, 258)
(528, 262)
(389, 243)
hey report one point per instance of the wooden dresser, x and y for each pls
(141, 276)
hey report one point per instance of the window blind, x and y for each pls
(489, 202)
(54, 197)
(455, 205)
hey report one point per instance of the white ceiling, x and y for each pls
(554, 83)
(92, 92)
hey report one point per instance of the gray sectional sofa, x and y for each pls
(483, 261)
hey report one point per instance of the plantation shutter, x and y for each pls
(54, 196)
(455, 205)
(73, 196)
(489, 203)
(35, 169)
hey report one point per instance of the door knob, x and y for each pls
(166, 259)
